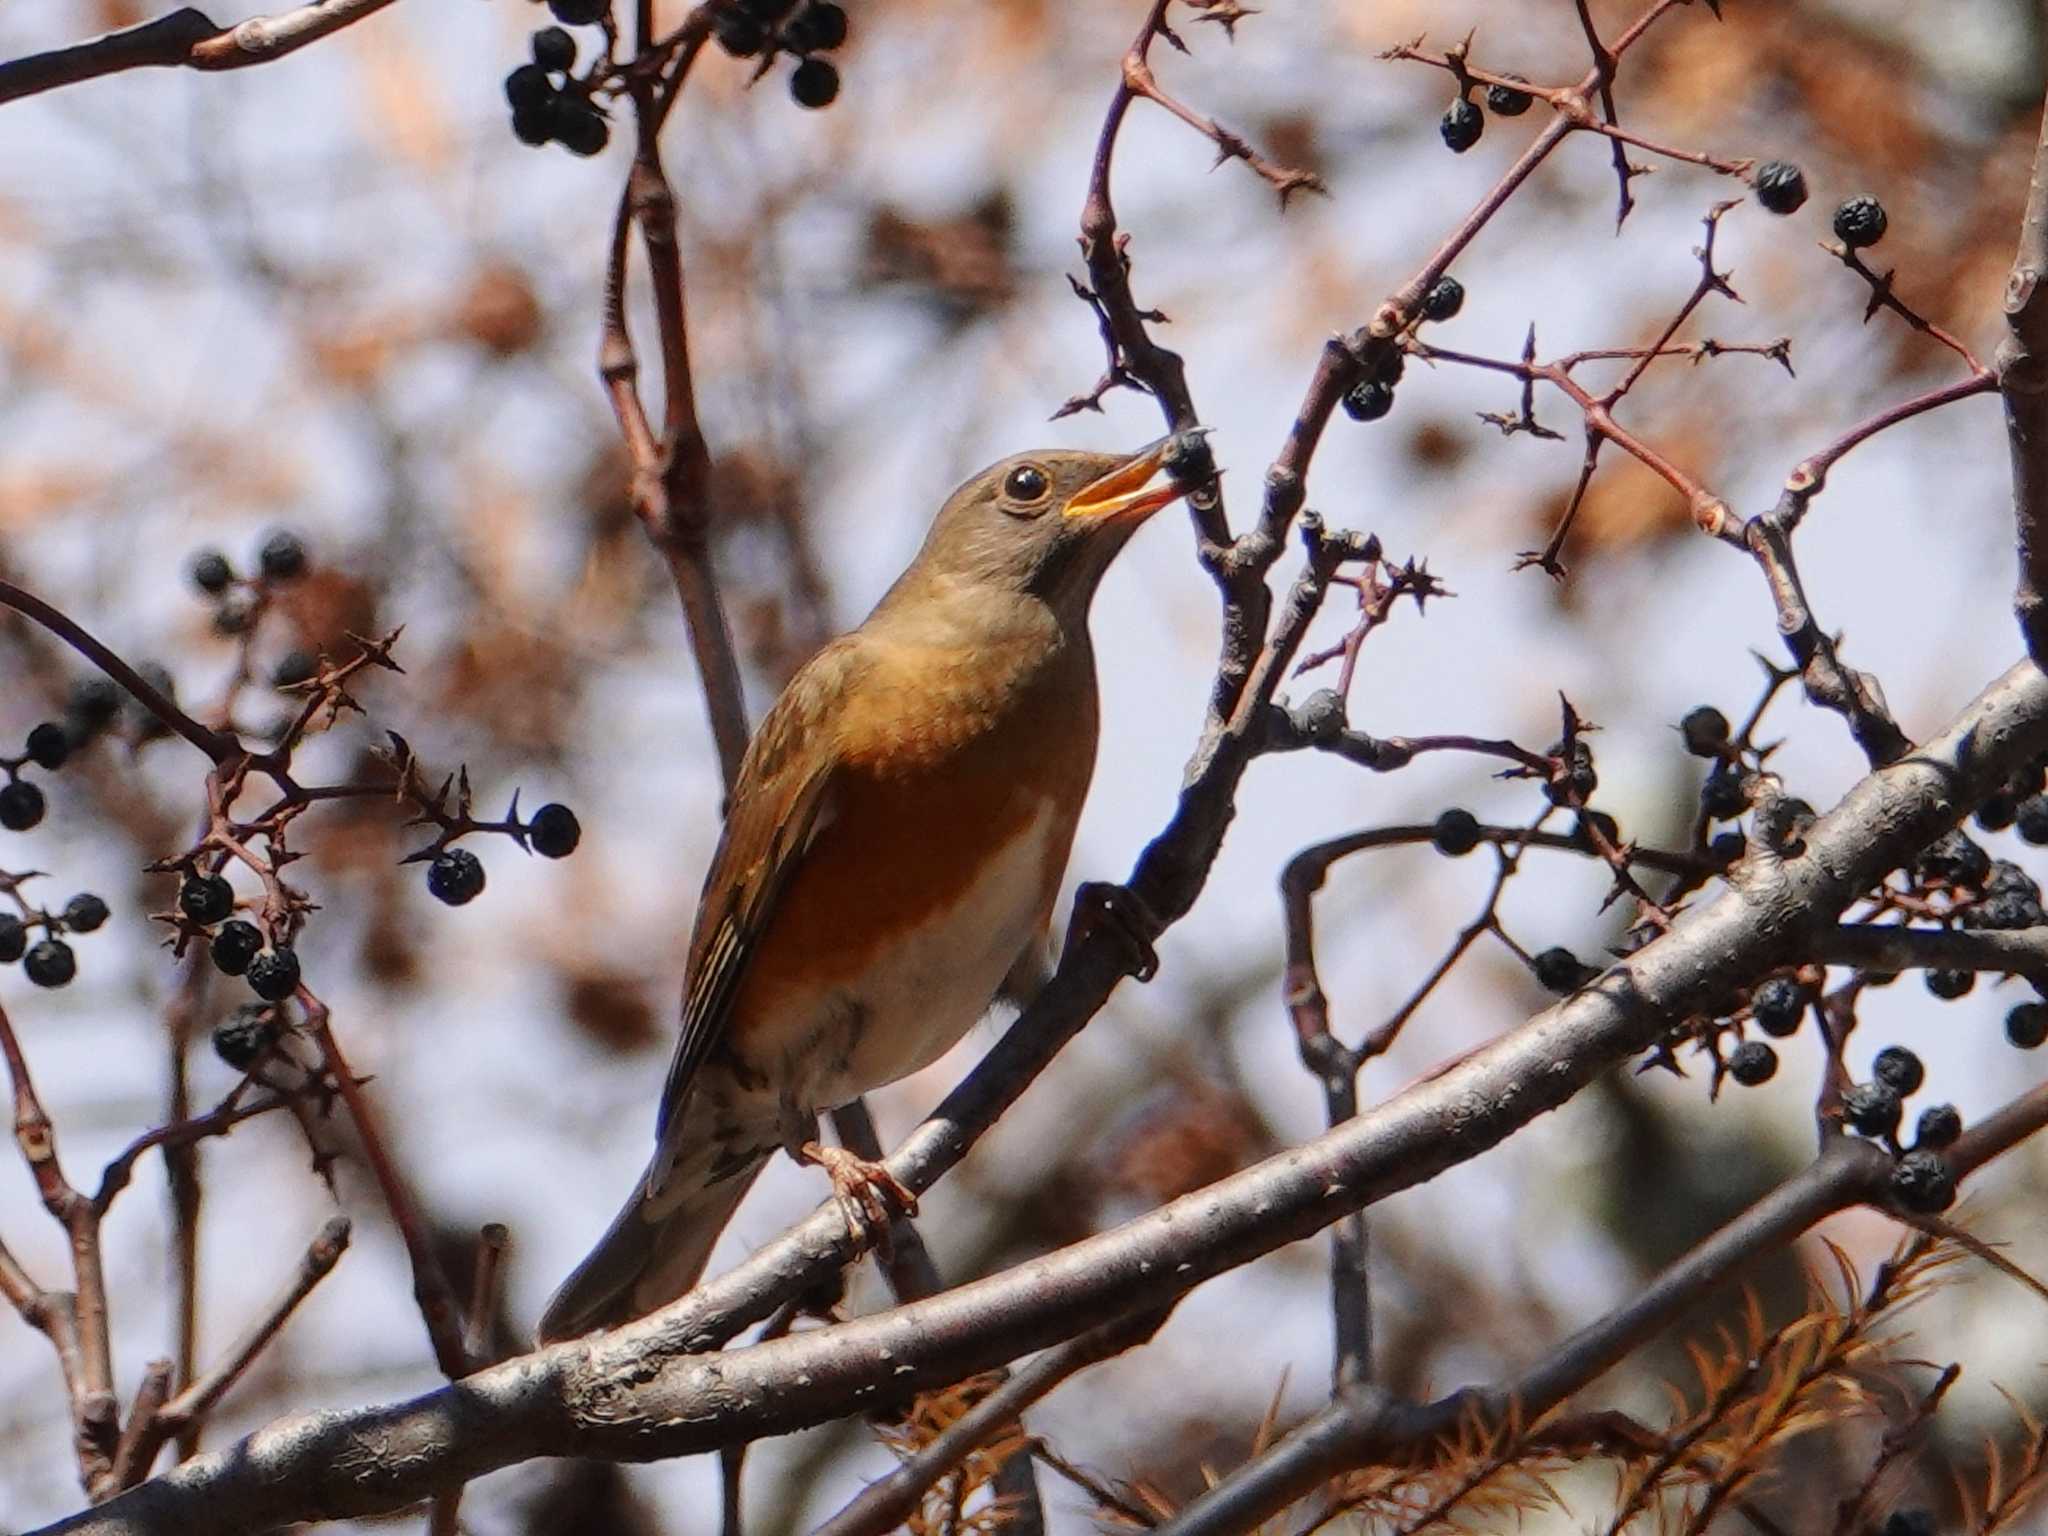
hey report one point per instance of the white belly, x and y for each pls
(924, 992)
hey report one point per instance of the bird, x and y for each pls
(893, 847)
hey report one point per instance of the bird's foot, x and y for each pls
(870, 1196)
(1121, 913)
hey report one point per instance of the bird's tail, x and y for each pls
(655, 1250)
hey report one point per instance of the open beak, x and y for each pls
(1131, 492)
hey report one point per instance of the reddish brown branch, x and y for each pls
(439, 1308)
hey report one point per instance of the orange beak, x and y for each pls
(1131, 492)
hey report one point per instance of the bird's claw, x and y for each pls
(1121, 913)
(869, 1195)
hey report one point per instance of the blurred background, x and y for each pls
(334, 294)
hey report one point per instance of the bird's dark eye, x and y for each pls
(1027, 483)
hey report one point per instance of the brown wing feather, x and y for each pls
(779, 804)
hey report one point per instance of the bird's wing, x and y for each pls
(780, 803)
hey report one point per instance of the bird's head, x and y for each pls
(1046, 524)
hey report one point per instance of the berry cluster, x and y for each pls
(1372, 398)
(749, 29)
(1463, 122)
(549, 104)
(206, 903)
(21, 800)
(456, 876)
(1921, 1181)
(1733, 783)
(238, 602)
(49, 961)
(2020, 805)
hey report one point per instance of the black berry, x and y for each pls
(554, 831)
(1940, 1125)
(1778, 1006)
(579, 126)
(814, 83)
(1954, 859)
(1872, 1108)
(210, 570)
(50, 963)
(579, 13)
(1444, 299)
(1558, 970)
(243, 1036)
(48, 747)
(1705, 730)
(2032, 820)
(2004, 909)
(739, 34)
(1752, 1062)
(1461, 126)
(456, 876)
(1780, 186)
(283, 556)
(1998, 813)
(274, 974)
(534, 125)
(294, 668)
(1369, 401)
(93, 702)
(1506, 101)
(235, 945)
(528, 87)
(21, 805)
(13, 938)
(1860, 221)
(84, 912)
(2027, 1025)
(817, 29)
(1949, 985)
(554, 50)
(1456, 832)
(1899, 1069)
(2007, 876)
(1921, 1182)
(206, 898)
(1722, 796)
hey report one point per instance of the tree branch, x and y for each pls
(2023, 382)
(186, 37)
(637, 1393)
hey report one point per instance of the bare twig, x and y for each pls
(186, 37)
(147, 1432)
(884, 1503)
